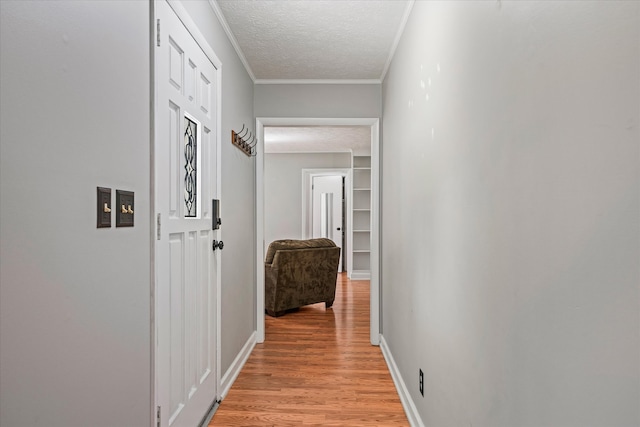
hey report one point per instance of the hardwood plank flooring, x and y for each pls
(316, 367)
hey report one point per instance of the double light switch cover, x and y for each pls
(124, 208)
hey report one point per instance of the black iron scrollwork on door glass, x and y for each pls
(190, 177)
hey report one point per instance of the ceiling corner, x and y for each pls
(234, 42)
(392, 52)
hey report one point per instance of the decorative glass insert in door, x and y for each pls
(190, 172)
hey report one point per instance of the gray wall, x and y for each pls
(283, 190)
(74, 299)
(512, 208)
(238, 190)
(318, 100)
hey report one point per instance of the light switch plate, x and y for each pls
(124, 208)
(104, 207)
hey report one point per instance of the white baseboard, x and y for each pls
(234, 370)
(407, 402)
(360, 275)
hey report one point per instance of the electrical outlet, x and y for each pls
(421, 382)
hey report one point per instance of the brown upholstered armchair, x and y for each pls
(300, 272)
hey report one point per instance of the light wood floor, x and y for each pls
(316, 367)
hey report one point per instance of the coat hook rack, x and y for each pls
(245, 141)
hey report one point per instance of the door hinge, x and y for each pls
(158, 417)
(158, 224)
(158, 32)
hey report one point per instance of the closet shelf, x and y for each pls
(360, 258)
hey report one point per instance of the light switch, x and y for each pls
(104, 207)
(124, 208)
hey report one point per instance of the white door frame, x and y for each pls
(307, 194)
(193, 29)
(374, 123)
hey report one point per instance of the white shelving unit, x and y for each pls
(360, 249)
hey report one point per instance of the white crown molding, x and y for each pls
(216, 9)
(317, 121)
(405, 18)
(266, 151)
(317, 81)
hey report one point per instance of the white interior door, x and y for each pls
(327, 209)
(186, 163)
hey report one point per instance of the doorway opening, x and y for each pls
(373, 126)
(313, 223)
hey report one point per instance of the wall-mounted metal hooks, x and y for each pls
(244, 140)
(246, 131)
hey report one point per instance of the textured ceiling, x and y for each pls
(316, 39)
(292, 139)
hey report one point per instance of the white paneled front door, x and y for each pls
(186, 265)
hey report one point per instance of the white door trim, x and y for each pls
(307, 177)
(193, 29)
(374, 123)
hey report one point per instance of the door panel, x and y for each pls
(331, 188)
(176, 306)
(186, 266)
